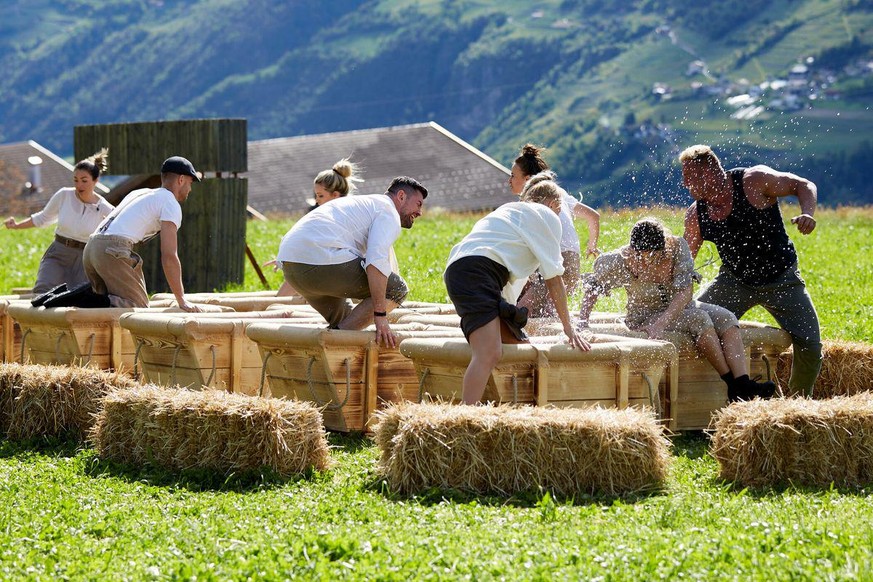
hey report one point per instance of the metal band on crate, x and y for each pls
(515, 388)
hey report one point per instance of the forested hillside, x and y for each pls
(614, 89)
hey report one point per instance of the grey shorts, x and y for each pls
(328, 288)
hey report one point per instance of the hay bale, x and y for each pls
(507, 450)
(38, 400)
(182, 429)
(847, 368)
(796, 440)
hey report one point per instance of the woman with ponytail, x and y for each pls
(506, 246)
(77, 211)
(535, 296)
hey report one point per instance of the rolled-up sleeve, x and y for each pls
(49, 214)
(683, 271)
(383, 233)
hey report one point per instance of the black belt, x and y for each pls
(68, 242)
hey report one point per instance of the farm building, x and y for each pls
(458, 176)
(29, 175)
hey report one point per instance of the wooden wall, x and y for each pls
(212, 145)
(212, 236)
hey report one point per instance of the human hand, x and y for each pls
(575, 339)
(383, 332)
(654, 330)
(592, 251)
(9, 222)
(189, 307)
(805, 223)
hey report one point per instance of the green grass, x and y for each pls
(67, 515)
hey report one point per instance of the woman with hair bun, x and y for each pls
(504, 247)
(338, 181)
(77, 211)
(534, 296)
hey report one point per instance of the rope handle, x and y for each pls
(310, 382)
(264, 374)
(654, 398)
(421, 384)
(139, 344)
(23, 342)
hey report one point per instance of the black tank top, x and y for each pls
(752, 243)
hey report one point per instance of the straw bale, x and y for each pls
(796, 440)
(182, 429)
(507, 450)
(847, 368)
(39, 400)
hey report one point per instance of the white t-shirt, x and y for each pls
(569, 236)
(521, 236)
(140, 214)
(76, 219)
(353, 227)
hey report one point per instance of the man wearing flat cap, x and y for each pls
(110, 263)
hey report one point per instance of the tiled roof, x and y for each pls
(55, 173)
(458, 176)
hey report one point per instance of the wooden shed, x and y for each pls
(212, 236)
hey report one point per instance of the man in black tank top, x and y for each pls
(738, 211)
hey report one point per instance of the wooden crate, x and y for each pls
(201, 350)
(10, 331)
(344, 372)
(700, 389)
(70, 335)
(614, 373)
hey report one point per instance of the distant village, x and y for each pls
(804, 85)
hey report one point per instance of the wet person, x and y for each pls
(342, 251)
(113, 267)
(77, 211)
(535, 296)
(505, 246)
(656, 270)
(738, 211)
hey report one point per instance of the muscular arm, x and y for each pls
(378, 283)
(763, 185)
(692, 230)
(171, 264)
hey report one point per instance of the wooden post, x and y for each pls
(542, 379)
(371, 384)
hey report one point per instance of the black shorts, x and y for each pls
(475, 284)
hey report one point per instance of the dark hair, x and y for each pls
(648, 235)
(531, 161)
(401, 182)
(96, 164)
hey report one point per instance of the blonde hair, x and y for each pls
(340, 178)
(700, 154)
(541, 188)
(96, 164)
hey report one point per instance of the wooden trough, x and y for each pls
(70, 335)
(700, 390)
(346, 373)
(202, 350)
(614, 373)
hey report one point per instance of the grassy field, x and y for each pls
(68, 515)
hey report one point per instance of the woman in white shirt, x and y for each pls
(535, 296)
(77, 212)
(506, 246)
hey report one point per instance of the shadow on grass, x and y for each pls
(691, 444)
(63, 447)
(195, 480)
(525, 499)
(349, 442)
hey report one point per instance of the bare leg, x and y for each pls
(487, 349)
(734, 352)
(362, 315)
(710, 348)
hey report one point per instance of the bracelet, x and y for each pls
(380, 314)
